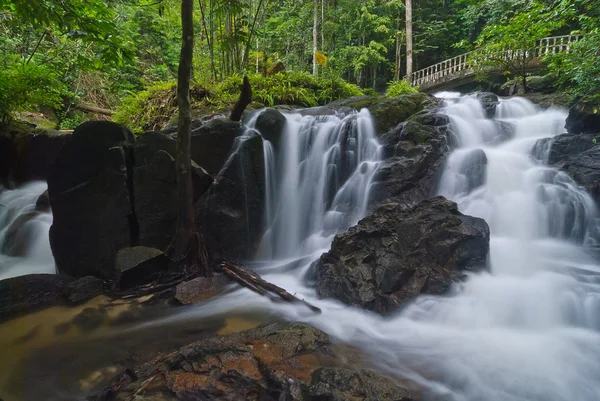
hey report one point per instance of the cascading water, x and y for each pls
(527, 330)
(317, 183)
(24, 244)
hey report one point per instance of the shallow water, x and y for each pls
(527, 330)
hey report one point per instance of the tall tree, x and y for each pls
(409, 41)
(315, 36)
(185, 206)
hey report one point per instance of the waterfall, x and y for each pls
(24, 244)
(317, 181)
(527, 330)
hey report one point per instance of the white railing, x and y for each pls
(467, 61)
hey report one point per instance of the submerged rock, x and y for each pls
(230, 214)
(489, 102)
(26, 294)
(281, 361)
(398, 253)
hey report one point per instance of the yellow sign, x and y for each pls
(321, 59)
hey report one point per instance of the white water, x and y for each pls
(526, 331)
(34, 256)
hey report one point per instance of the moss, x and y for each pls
(155, 107)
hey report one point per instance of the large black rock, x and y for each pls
(212, 142)
(414, 153)
(89, 190)
(230, 214)
(398, 253)
(155, 189)
(28, 156)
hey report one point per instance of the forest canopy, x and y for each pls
(57, 54)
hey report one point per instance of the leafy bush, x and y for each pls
(153, 108)
(578, 71)
(27, 87)
(397, 88)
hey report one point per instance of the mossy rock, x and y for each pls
(389, 111)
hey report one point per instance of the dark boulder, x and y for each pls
(230, 214)
(579, 157)
(212, 142)
(28, 156)
(83, 289)
(413, 155)
(489, 102)
(339, 384)
(154, 184)
(43, 202)
(270, 124)
(200, 289)
(582, 121)
(139, 265)
(26, 294)
(398, 253)
(89, 191)
(278, 361)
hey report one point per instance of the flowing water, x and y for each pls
(24, 243)
(527, 330)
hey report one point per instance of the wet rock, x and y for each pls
(388, 112)
(83, 289)
(89, 193)
(18, 235)
(90, 319)
(230, 214)
(579, 157)
(212, 142)
(200, 289)
(273, 362)
(270, 125)
(473, 167)
(139, 265)
(155, 183)
(338, 384)
(28, 156)
(413, 155)
(26, 294)
(43, 202)
(398, 253)
(582, 121)
(489, 102)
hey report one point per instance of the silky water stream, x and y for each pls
(527, 330)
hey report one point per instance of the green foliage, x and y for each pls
(397, 88)
(25, 87)
(294, 88)
(155, 107)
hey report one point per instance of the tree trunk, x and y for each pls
(315, 36)
(399, 39)
(409, 40)
(185, 206)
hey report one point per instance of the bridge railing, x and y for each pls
(470, 60)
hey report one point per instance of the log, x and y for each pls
(92, 109)
(243, 101)
(247, 278)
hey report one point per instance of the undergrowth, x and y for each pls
(397, 88)
(153, 108)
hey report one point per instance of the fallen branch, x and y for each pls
(253, 281)
(92, 109)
